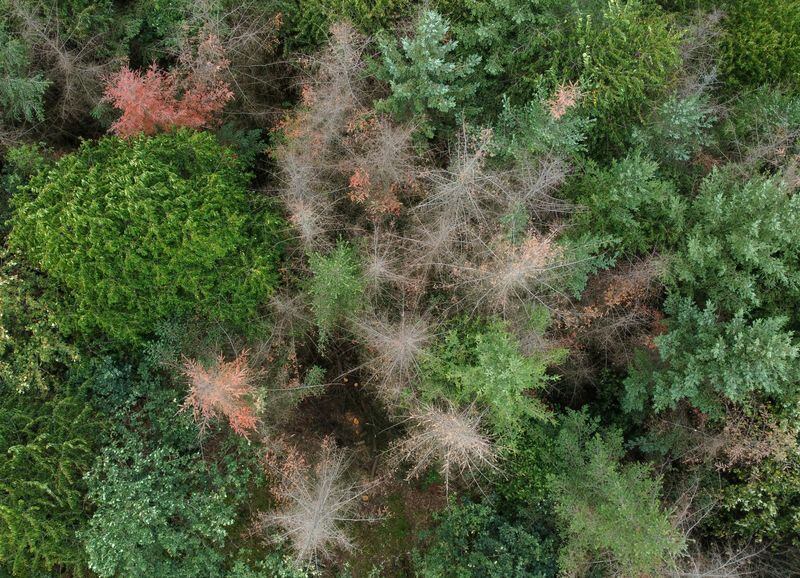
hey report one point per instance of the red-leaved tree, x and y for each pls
(192, 95)
(224, 388)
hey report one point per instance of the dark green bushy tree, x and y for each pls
(475, 541)
(742, 245)
(162, 505)
(709, 362)
(610, 511)
(159, 513)
(47, 443)
(630, 204)
(146, 229)
(761, 43)
(629, 52)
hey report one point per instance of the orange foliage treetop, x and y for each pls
(223, 388)
(191, 96)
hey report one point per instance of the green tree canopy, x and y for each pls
(742, 248)
(475, 541)
(163, 498)
(427, 82)
(630, 204)
(629, 52)
(146, 229)
(47, 443)
(483, 364)
(21, 93)
(611, 511)
(709, 362)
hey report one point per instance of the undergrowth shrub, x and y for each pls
(151, 228)
(761, 128)
(308, 22)
(72, 46)
(80, 19)
(617, 316)
(273, 565)
(761, 502)
(156, 26)
(524, 478)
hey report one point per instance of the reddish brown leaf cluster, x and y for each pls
(156, 100)
(618, 313)
(286, 466)
(379, 163)
(378, 200)
(359, 186)
(225, 388)
(745, 439)
(566, 97)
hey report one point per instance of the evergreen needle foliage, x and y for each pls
(336, 288)
(611, 511)
(709, 363)
(484, 365)
(21, 94)
(47, 444)
(148, 229)
(427, 83)
(742, 244)
(366, 260)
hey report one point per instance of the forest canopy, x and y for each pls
(442, 289)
